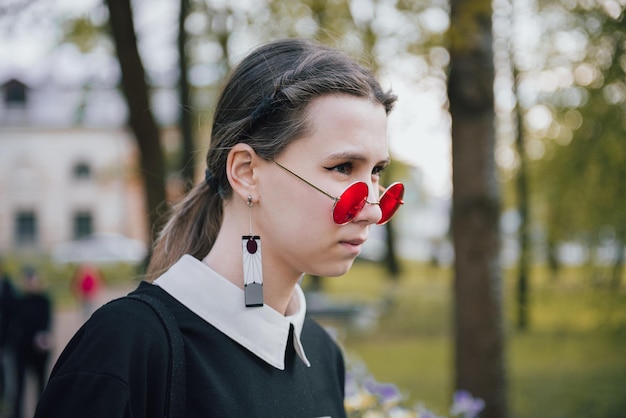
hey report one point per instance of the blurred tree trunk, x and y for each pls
(551, 249)
(187, 160)
(620, 238)
(141, 119)
(521, 185)
(391, 261)
(618, 268)
(479, 345)
(391, 258)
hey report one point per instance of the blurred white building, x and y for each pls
(68, 168)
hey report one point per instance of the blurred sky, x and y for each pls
(29, 48)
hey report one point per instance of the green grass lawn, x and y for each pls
(570, 363)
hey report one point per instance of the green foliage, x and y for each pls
(580, 183)
(84, 32)
(588, 160)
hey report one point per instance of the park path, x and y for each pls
(66, 321)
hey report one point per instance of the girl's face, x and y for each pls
(347, 142)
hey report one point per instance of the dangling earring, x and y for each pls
(252, 266)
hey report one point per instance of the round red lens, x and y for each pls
(350, 203)
(390, 201)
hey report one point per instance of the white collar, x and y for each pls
(262, 330)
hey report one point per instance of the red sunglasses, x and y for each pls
(353, 199)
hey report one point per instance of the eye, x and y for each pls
(378, 170)
(343, 168)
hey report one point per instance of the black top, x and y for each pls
(116, 366)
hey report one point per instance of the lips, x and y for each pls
(356, 241)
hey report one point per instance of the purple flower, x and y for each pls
(386, 392)
(465, 405)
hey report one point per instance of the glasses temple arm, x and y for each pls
(307, 182)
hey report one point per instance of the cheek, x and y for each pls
(299, 206)
(300, 222)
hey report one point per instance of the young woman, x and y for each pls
(292, 186)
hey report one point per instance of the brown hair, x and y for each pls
(262, 104)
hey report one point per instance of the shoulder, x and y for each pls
(120, 333)
(125, 318)
(120, 354)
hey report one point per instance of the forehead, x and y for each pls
(344, 126)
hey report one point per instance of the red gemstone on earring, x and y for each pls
(251, 246)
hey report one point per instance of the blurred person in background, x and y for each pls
(86, 286)
(29, 335)
(8, 298)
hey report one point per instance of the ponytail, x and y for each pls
(192, 229)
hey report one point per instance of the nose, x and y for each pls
(371, 212)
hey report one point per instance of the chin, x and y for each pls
(336, 270)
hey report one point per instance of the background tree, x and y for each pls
(506, 14)
(523, 208)
(479, 343)
(187, 160)
(141, 120)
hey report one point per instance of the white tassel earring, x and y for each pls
(252, 266)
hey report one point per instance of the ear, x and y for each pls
(240, 165)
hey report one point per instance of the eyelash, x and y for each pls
(346, 168)
(378, 170)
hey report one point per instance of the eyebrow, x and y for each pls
(354, 157)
